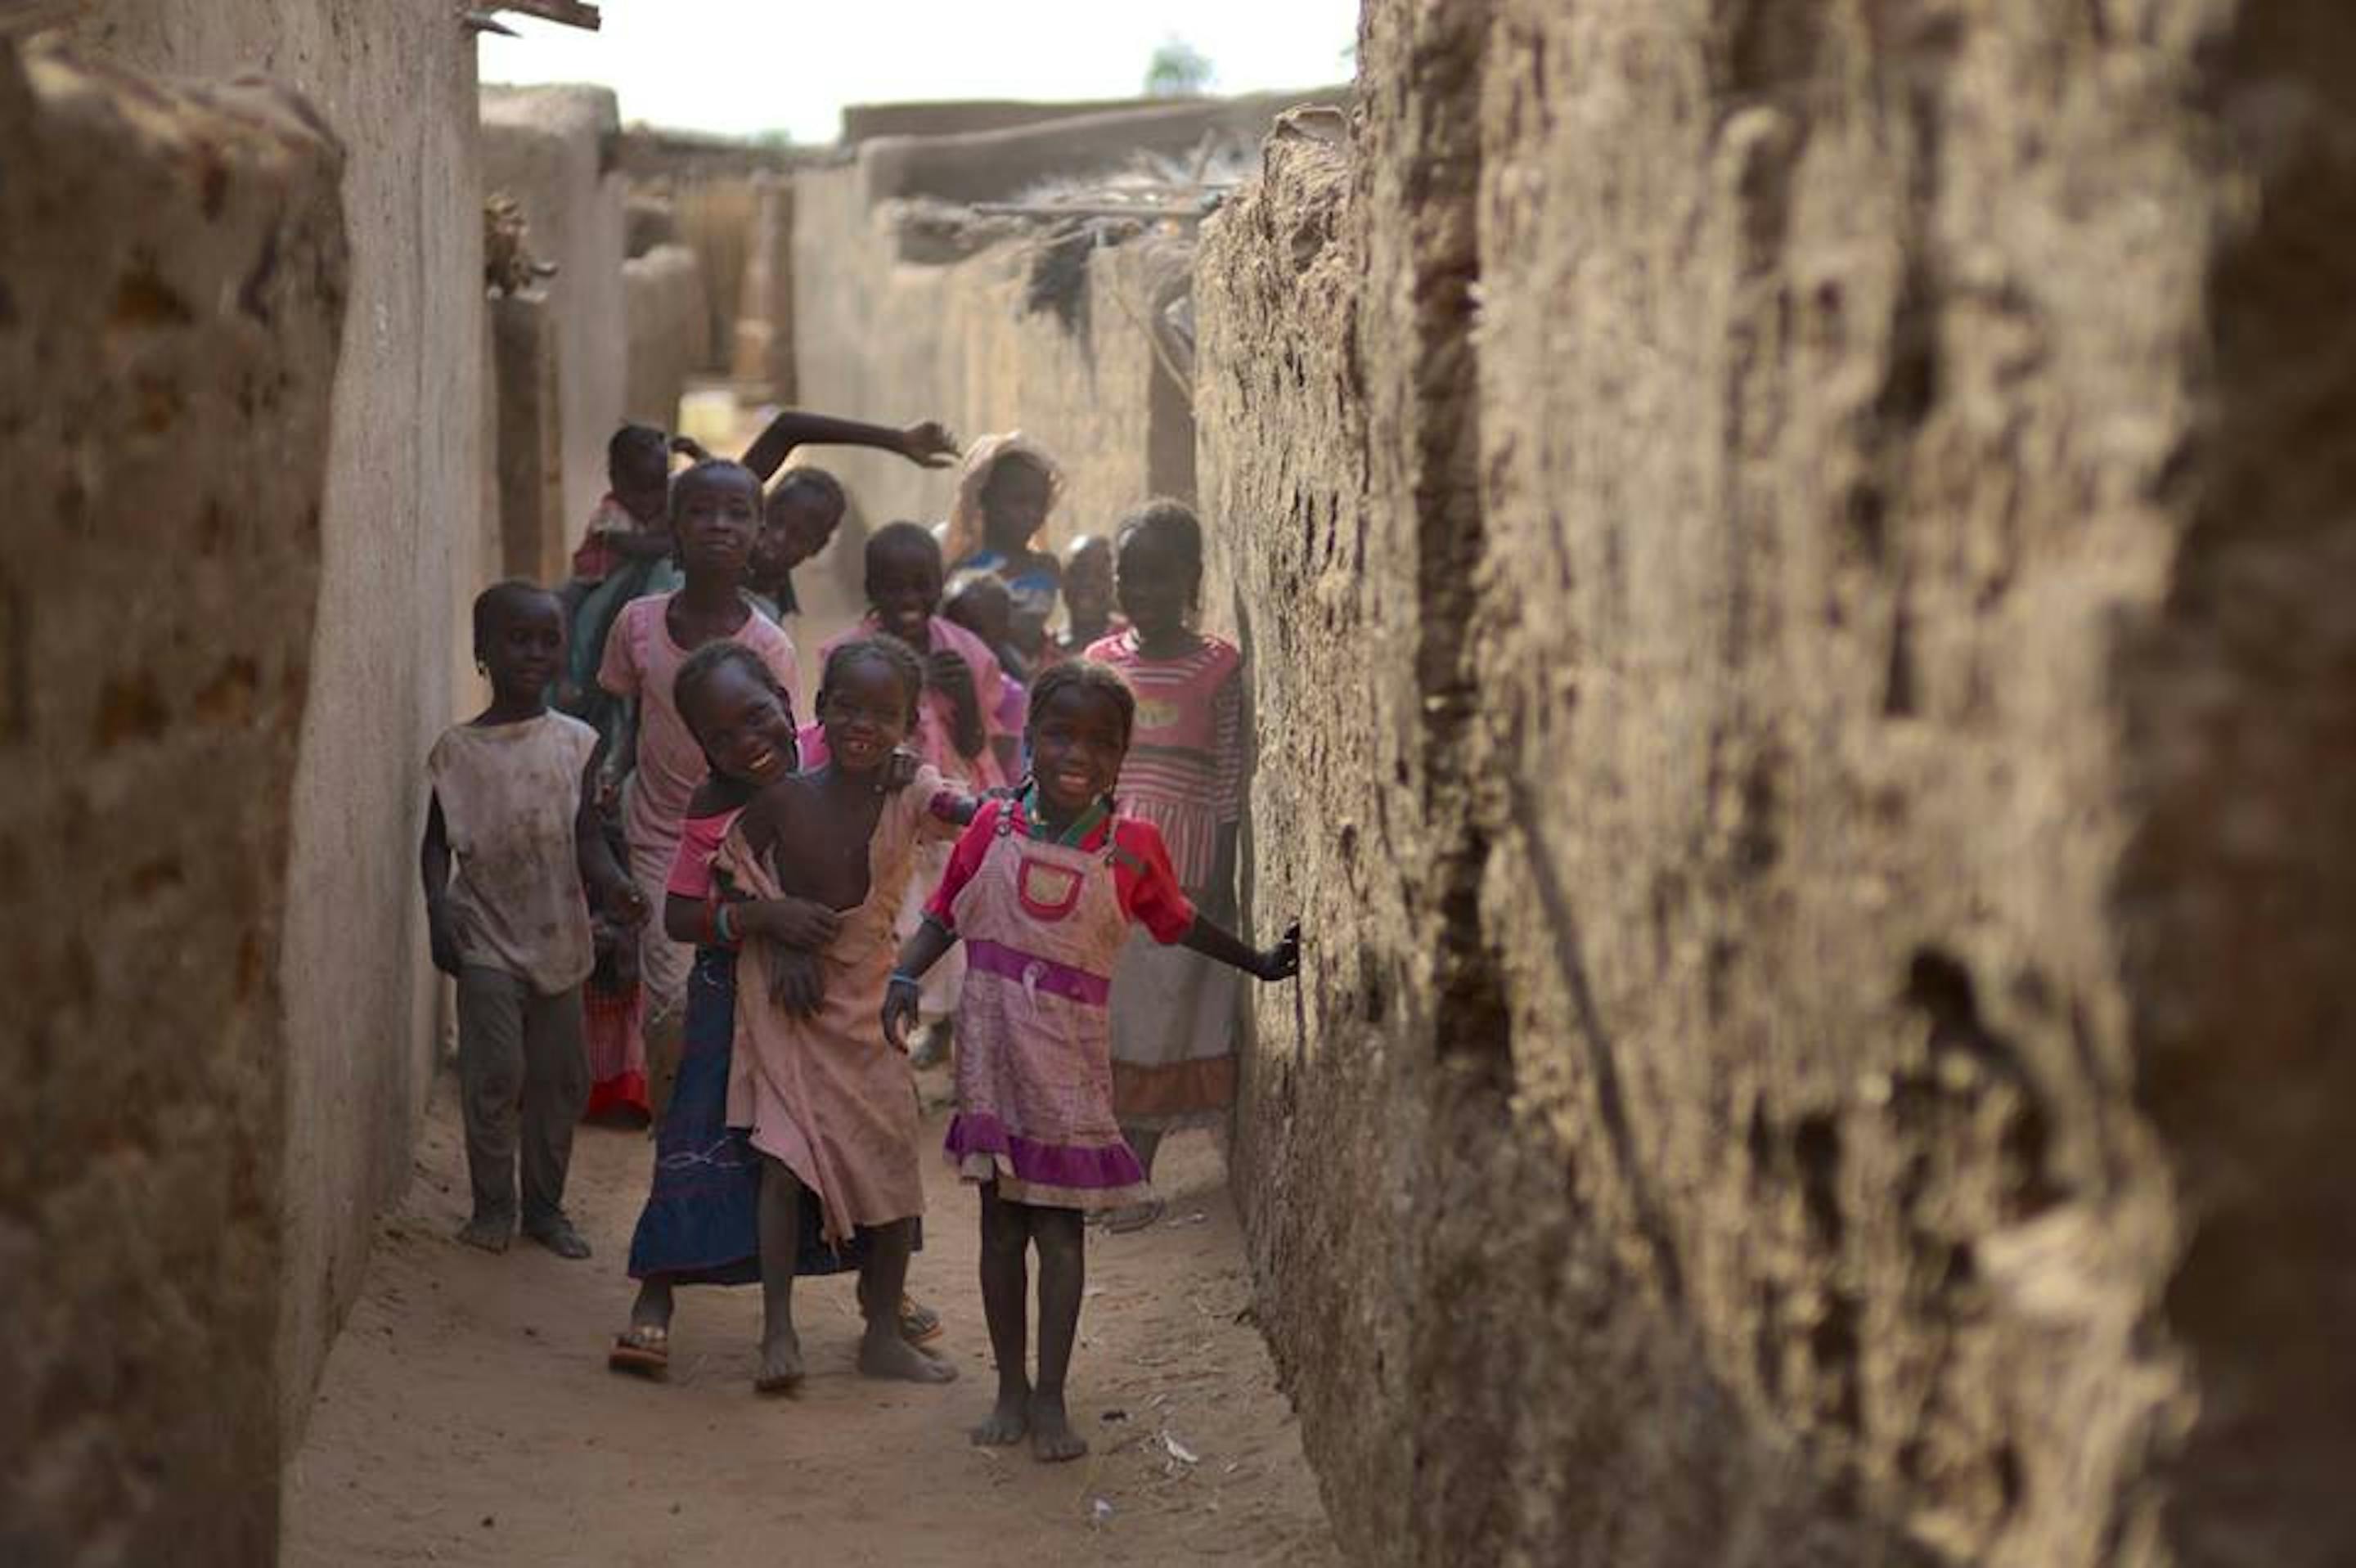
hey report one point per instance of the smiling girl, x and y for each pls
(715, 513)
(1042, 891)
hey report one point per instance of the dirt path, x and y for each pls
(467, 1416)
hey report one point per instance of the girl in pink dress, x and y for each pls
(1173, 1011)
(1042, 891)
(715, 512)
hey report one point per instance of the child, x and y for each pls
(1087, 596)
(700, 1224)
(1172, 1011)
(632, 522)
(1043, 890)
(715, 510)
(512, 801)
(797, 521)
(626, 555)
(1008, 488)
(979, 602)
(831, 1112)
(956, 725)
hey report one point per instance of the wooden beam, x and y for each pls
(571, 13)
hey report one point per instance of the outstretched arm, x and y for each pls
(928, 444)
(1216, 942)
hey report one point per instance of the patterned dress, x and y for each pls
(1043, 919)
(1173, 1010)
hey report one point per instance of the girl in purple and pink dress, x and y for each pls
(1042, 891)
(1173, 1061)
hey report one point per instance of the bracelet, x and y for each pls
(902, 977)
(720, 926)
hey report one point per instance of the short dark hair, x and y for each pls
(889, 651)
(500, 600)
(708, 470)
(825, 486)
(708, 660)
(901, 535)
(1085, 676)
(638, 443)
(1167, 522)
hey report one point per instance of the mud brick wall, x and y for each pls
(556, 150)
(668, 322)
(1827, 1037)
(405, 544)
(893, 323)
(173, 274)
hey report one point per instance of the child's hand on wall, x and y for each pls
(1281, 962)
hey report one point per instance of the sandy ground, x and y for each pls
(467, 1416)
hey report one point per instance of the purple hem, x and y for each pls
(986, 957)
(1047, 1165)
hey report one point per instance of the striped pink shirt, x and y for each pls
(1186, 767)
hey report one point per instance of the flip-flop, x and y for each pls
(642, 1351)
(1135, 1217)
(919, 1325)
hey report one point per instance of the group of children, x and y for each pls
(1016, 836)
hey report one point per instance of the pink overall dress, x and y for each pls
(1042, 926)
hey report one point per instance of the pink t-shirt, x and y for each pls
(641, 661)
(935, 738)
(699, 846)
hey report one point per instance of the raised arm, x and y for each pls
(928, 444)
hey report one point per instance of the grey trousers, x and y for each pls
(524, 1076)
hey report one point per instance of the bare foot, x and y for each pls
(781, 1364)
(1053, 1441)
(489, 1231)
(890, 1356)
(1009, 1421)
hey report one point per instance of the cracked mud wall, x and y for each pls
(1826, 1034)
(173, 275)
(405, 544)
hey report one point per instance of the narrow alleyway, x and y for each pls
(467, 1417)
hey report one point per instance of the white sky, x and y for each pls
(748, 66)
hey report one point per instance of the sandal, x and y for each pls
(642, 1349)
(919, 1324)
(1135, 1217)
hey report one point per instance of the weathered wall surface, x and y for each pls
(760, 329)
(554, 149)
(404, 545)
(904, 311)
(665, 310)
(1823, 1044)
(172, 281)
(528, 425)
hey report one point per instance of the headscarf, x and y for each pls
(966, 529)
